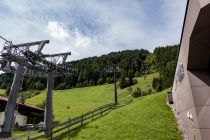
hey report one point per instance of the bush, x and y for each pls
(144, 93)
(91, 83)
(127, 82)
(8, 90)
(130, 90)
(137, 93)
(123, 83)
(85, 83)
(134, 81)
(28, 94)
(137, 74)
(109, 80)
(150, 91)
(61, 86)
(68, 87)
(159, 88)
(100, 81)
(157, 84)
(39, 86)
(4, 85)
(78, 85)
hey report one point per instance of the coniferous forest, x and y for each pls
(99, 70)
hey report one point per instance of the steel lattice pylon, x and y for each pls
(31, 63)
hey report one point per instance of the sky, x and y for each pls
(92, 27)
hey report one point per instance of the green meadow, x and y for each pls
(73, 102)
(148, 118)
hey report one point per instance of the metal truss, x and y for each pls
(36, 62)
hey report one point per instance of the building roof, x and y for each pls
(21, 104)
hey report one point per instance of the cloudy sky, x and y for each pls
(93, 27)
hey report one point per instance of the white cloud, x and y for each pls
(81, 41)
(56, 30)
(112, 25)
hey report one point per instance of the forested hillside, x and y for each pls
(91, 71)
(165, 59)
(98, 70)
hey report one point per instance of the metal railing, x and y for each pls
(91, 115)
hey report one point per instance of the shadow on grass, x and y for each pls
(69, 133)
(73, 132)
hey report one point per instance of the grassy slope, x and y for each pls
(148, 118)
(80, 100)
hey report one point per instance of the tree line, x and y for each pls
(90, 71)
(165, 61)
(99, 70)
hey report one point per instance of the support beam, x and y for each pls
(41, 46)
(26, 44)
(48, 107)
(36, 62)
(58, 54)
(10, 107)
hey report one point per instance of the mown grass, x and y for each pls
(148, 118)
(73, 102)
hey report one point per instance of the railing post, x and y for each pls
(93, 115)
(115, 88)
(51, 135)
(110, 107)
(69, 124)
(82, 119)
(29, 134)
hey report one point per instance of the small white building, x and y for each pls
(24, 113)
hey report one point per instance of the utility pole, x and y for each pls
(115, 87)
(114, 70)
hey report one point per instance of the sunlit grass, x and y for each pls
(148, 118)
(73, 102)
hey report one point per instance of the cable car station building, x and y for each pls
(191, 88)
(24, 113)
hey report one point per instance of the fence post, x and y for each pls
(92, 115)
(51, 135)
(110, 108)
(101, 111)
(81, 119)
(69, 124)
(29, 134)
